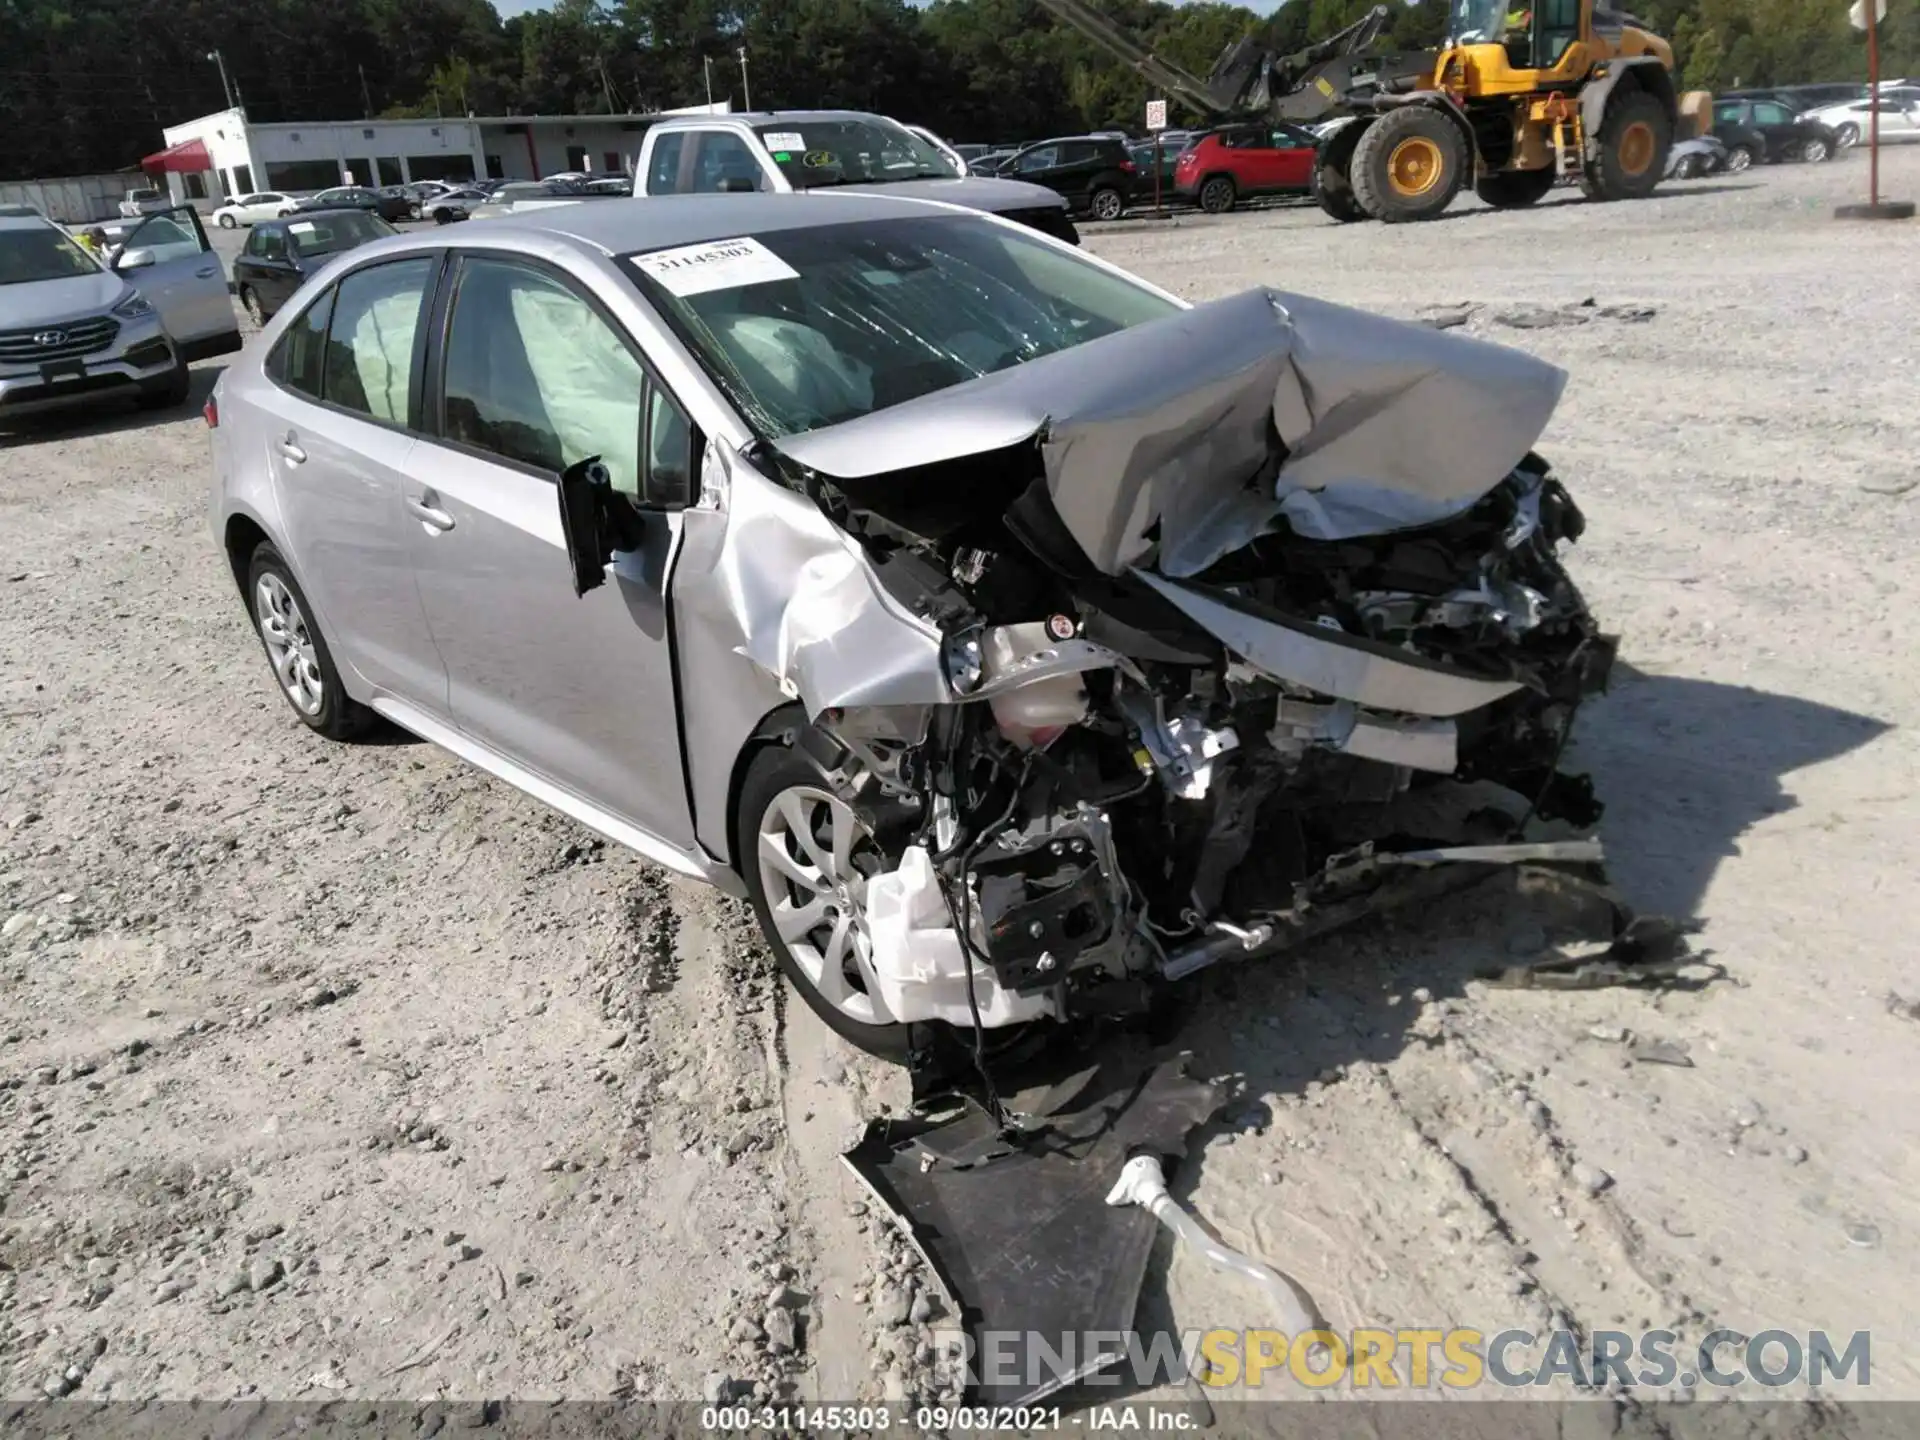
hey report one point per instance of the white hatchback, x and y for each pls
(1852, 121)
(250, 209)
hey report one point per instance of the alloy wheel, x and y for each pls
(1107, 205)
(1739, 159)
(290, 647)
(810, 850)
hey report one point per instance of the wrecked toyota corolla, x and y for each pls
(1017, 637)
(1183, 643)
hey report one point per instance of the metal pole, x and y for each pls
(1873, 100)
(746, 95)
(366, 99)
(706, 64)
(226, 85)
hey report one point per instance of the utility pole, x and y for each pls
(366, 99)
(706, 64)
(746, 95)
(227, 85)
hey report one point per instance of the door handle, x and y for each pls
(208, 272)
(289, 447)
(427, 513)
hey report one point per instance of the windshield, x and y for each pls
(812, 153)
(36, 253)
(809, 328)
(1480, 22)
(330, 234)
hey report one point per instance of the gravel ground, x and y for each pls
(346, 1072)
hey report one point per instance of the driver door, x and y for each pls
(168, 259)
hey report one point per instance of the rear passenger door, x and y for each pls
(345, 389)
(533, 376)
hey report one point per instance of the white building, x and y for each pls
(225, 154)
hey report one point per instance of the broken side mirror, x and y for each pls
(597, 521)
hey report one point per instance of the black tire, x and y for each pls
(1332, 184)
(339, 716)
(1515, 189)
(1741, 157)
(442, 216)
(227, 222)
(1218, 194)
(172, 393)
(1847, 136)
(1106, 203)
(1409, 164)
(250, 302)
(1815, 151)
(1634, 139)
(773, 769)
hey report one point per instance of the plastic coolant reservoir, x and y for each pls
(1032, 715)
(917, 960)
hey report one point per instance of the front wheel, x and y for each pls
(172, 393)
(1106, 203)
(1409, 164)
(806, 860)
(1739, 158)
(1815, 151)
(1634, 140)
(1218, 195)
(1514, 189)
(1847, 136)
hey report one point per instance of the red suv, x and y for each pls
(1236, 163)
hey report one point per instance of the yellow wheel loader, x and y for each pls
(1523, 93)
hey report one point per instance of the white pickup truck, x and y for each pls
(145, 202)
(826, 150)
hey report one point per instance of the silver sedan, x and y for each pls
(1017, 637)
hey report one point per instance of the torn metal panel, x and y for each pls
(796, 595)
(1213, 423)
(1331, 661)
(1016, 1226)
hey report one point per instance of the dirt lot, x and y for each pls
(345, 1072)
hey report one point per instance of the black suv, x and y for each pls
(1094, 173)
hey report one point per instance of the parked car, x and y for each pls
(145, 202)
(1852, 121)
(1756, 130)
(451, 205)
(954, 158)
(1143, 162)
(1690, 159)
(1239, 162)
(988, 164)
(74, 332)
(615, 185)
(280, 255)
(15, 211)
(388, 205)
(545, 495)
(832, 151)
(251, 209)
(1094, 174)
(517, 196)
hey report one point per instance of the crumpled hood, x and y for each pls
(1213, 423)
(975, 192)
(45, 302)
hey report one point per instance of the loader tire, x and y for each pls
(1409, 165)
(1514, 189)
(1634, 140)
(1332, 182)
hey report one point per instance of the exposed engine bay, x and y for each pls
(1225, 657)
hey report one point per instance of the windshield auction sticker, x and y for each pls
(715, 265)
(785, 140)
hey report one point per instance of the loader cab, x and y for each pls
(1532, 35)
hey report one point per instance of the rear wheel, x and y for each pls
(1815, 150)
(250, 302)
(301, 662)
(806, 862)
(1106, 203)
(1513, 189)
(1409, 164)
(227, 222)
(442, 216)
(1739, 158)
(1634, 140)
(1219, 194)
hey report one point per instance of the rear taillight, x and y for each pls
(1127, 167)
(211, 410)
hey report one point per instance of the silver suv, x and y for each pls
(75, 331)
(1016, 637)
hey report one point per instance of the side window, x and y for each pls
(1772, 115)
(724, 156)
(663, 171)
(376, 313)
(534, 374)
(296, 362)
(273, 245)
(256, 242)
(1042, 159)
(170, 235)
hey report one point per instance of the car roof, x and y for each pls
(26, 222)
(657, 222)
(768, 117)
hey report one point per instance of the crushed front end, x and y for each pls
(1247, 623)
